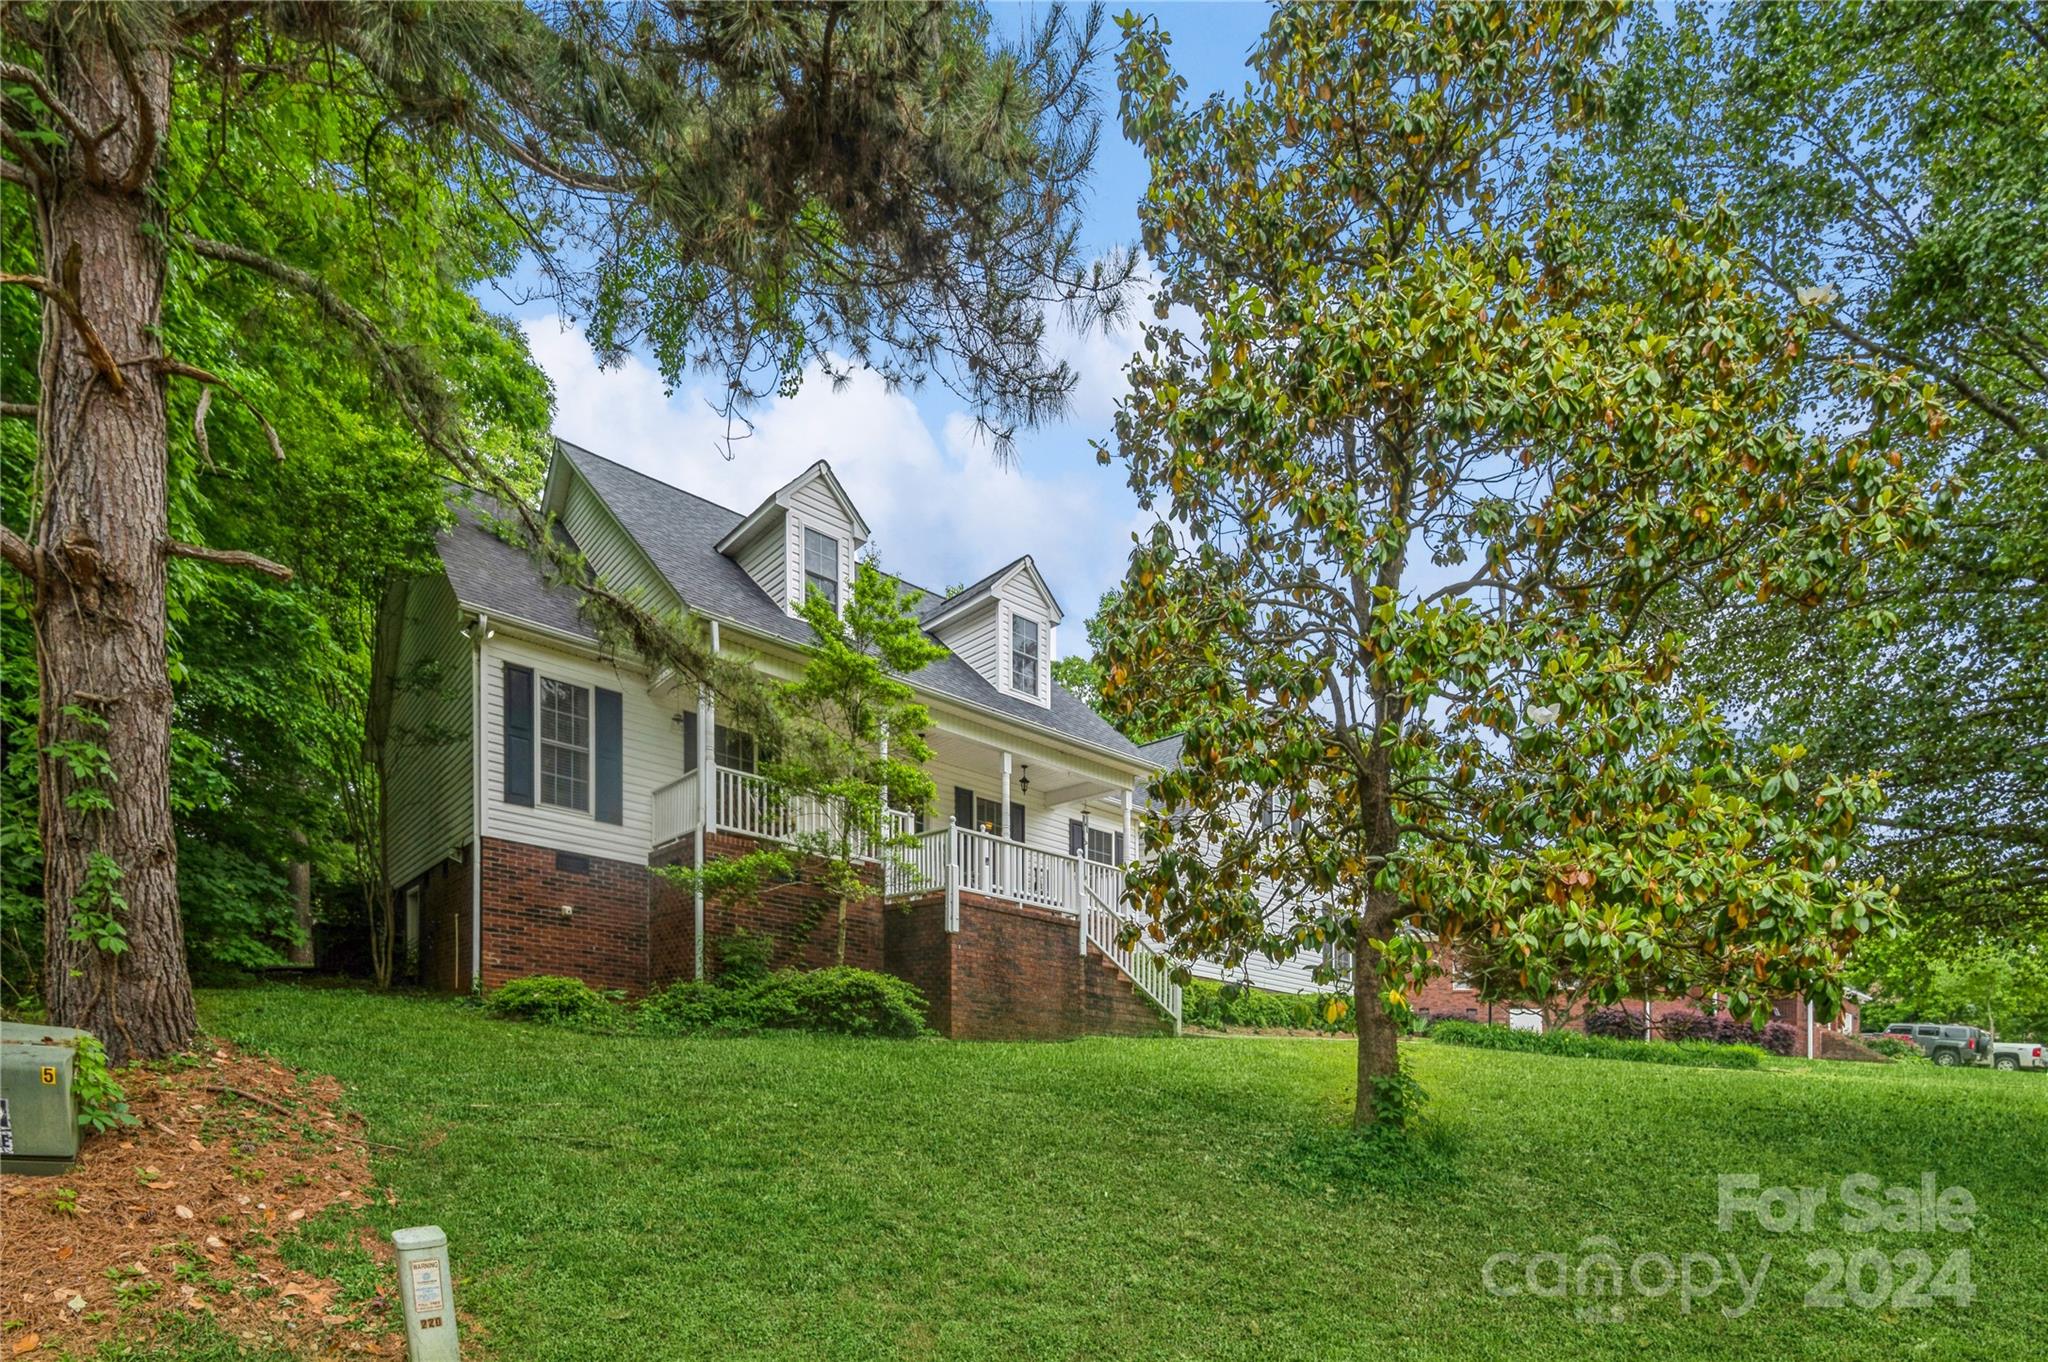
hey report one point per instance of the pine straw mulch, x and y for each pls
(193, 1212)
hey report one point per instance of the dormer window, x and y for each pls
(1023, 655)
(821, 565)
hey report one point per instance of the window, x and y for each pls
(1023, 655)
(735, 750)
(564, 744)
(1102, 846)
(821, 565)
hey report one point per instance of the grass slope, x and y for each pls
(792, 1196)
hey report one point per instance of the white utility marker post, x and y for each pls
(426, 1293)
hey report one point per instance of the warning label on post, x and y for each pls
(426, 1286)
(6, 1129)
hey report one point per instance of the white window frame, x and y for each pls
(826, 586)
(1107, 845)
(543, 742)
(1037, 653)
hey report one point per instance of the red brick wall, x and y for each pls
(444, 926)
(916, 947)
(801, 917)
(1014, 973)
(671, 923)
(602, 941)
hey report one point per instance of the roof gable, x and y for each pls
(987, 589)
(784, 498)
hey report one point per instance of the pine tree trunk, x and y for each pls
(99, 550)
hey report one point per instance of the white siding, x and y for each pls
(430, 757)
(972, 639)
(811, 506)
(617, 560)
(764, 560)
(651, 756)
(1018, 594)
(1293, 976)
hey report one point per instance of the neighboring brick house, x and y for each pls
(535, 778)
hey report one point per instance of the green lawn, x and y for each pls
(790, 1196)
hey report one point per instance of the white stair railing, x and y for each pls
(1101, 925)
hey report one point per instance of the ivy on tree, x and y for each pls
(1423, 467)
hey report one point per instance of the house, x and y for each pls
(534, 778)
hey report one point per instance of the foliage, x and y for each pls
(1929, 973)
(1892, 1047)
(1422, 470)
(745, 956)
(102, 1103)
(1883, 163)
(962, 1170)
(1207, 1003)
(840, 999)
(1579, 1045)
(1616, 1023)
(1684, 1024)
(850, 738)
(554, 1000)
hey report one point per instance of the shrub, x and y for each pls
(1781, 1038)
(1892, 1047)
(1616, 1022)
(1204, 1002)
(556, 1000)
(102, 1105)
(1578, 1045)
(745, 956)
(854, 1002)
(1721, 1029)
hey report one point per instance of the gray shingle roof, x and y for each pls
(678, 530)
(499, 577)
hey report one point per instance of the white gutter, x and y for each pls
(476, 809)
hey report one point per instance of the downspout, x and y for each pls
(707, 791)
(476, 809)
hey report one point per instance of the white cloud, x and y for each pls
(942, 509)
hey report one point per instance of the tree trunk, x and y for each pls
(109, 854)
(302, 906)
(1377, 1034)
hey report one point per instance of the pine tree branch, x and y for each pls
(212, 380)
(91, 140)
(229, 558)
(24, 410)
(18, 555)
(102, 359)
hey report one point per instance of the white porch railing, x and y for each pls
(754, 806)
(958, 859)
(675, 810)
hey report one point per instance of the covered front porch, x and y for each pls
(1039, 832)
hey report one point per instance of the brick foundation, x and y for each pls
(1010, 973)
(602, 940)
(1013, 973)
(445, 926)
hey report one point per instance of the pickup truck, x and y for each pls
(2019, 1054)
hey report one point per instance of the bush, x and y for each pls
(1780, 1038)
(745, 956)
(556, 1000)
(1617, 1023)
(843, 1000)
(1892, 1047)
(1578, 1045)
(1204, 1002)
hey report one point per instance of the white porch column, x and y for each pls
(886, 828)
(707, 805)
(1003, 810)
(1129, 846)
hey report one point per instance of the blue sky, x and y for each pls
(942, 509)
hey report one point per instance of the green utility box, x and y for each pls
(38, 1113)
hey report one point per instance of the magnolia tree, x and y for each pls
(1425, 477)
(847, 748)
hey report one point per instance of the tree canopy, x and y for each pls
(1424, 471)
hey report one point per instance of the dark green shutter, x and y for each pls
(1119, 848)
(1016, 822)
(610, 786)
(963, 806)
(1077, 838)
(518, 735)
(689, 741)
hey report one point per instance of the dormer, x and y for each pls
(803, 536)
(1005, 626)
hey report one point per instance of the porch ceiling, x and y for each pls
(1056, 783)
